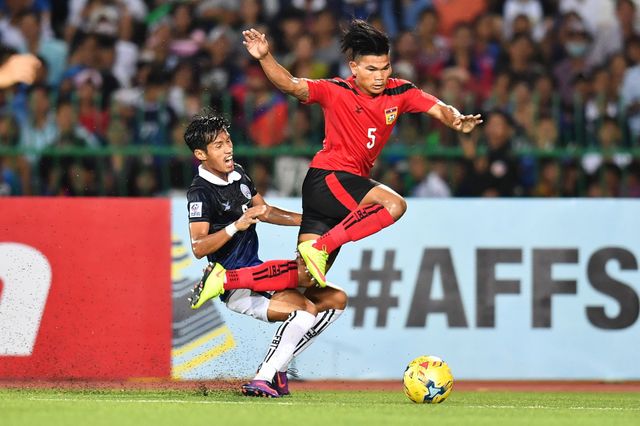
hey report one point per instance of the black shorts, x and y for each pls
(329, 196)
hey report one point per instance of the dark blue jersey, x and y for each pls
(211, 199)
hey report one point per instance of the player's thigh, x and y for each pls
(388, 198)
(328, 197)
(329, 297)
(284, 302)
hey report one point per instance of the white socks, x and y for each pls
(284, 343)
(322, 321)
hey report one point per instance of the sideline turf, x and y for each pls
(181, 408)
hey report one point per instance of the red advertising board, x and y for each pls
(85, 288)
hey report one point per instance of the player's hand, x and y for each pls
(466, 123)
(20, 68)
(256, 43)
(250, 217)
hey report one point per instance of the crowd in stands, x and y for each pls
(558, 83)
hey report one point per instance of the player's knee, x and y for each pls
(396, 207)
(340, 300)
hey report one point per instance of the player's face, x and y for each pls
(372, 73)
(218, 158)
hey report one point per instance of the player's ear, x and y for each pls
(200, 154)
(353, 65)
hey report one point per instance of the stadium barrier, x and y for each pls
(113, 170)
(501, 289)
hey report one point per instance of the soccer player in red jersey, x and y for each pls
(340, 202)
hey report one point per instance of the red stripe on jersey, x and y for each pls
(340, 192)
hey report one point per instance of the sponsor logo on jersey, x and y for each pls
(195, 209)
(391, 114)
(227, 206)
(245, 191)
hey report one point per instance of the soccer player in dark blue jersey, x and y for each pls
(224, 208)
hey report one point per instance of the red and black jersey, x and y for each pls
(357, 126)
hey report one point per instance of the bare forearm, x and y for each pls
(451, 117)
(283, 80)
(278, 216)
(209, 244)
(449, 114)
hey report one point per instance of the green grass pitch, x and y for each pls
(327, 408)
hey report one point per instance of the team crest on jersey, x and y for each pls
(245, 191)
(391, 114)
(195, 209)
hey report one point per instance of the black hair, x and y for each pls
(204, 128)
(361, 38)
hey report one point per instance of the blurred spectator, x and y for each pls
(68, 174)
(88, 83)
(184, 81)
(325, 34)
(220, 11)
(630, 90)
(545, 99)
(430, 178)
(51, 50)
(632, 186)
(404, 56)
(15, 175)
(545, 136)
(548, 179)
(486, 51)
(186, 37)
(221, 70)
(39, 131)
(263, 109)
(576, 45)
(433, 47)
(10, 28)
(520, 59)
(500, 95)
(401, 16)
(291, 169)
(453, 12)
(303, 63)
(609, 139)
(531, 9)
(261, 175)
(154, 118)
(494, 173)
(603, 100)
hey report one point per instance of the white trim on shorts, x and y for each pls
(246, 302)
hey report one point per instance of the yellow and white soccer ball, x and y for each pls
(427, 379)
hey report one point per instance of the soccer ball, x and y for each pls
(427, 379)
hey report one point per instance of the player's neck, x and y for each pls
(362, 90)
(222, 175)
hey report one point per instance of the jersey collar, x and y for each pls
(210, 177)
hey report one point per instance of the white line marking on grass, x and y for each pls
(157, 401)
(544, 407)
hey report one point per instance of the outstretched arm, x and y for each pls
(257, 45)
(450, 116)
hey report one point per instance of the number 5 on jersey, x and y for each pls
(372, 137)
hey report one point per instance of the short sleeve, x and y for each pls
(319, 92)
(417, 100)
(198, 206)
(251, 186)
